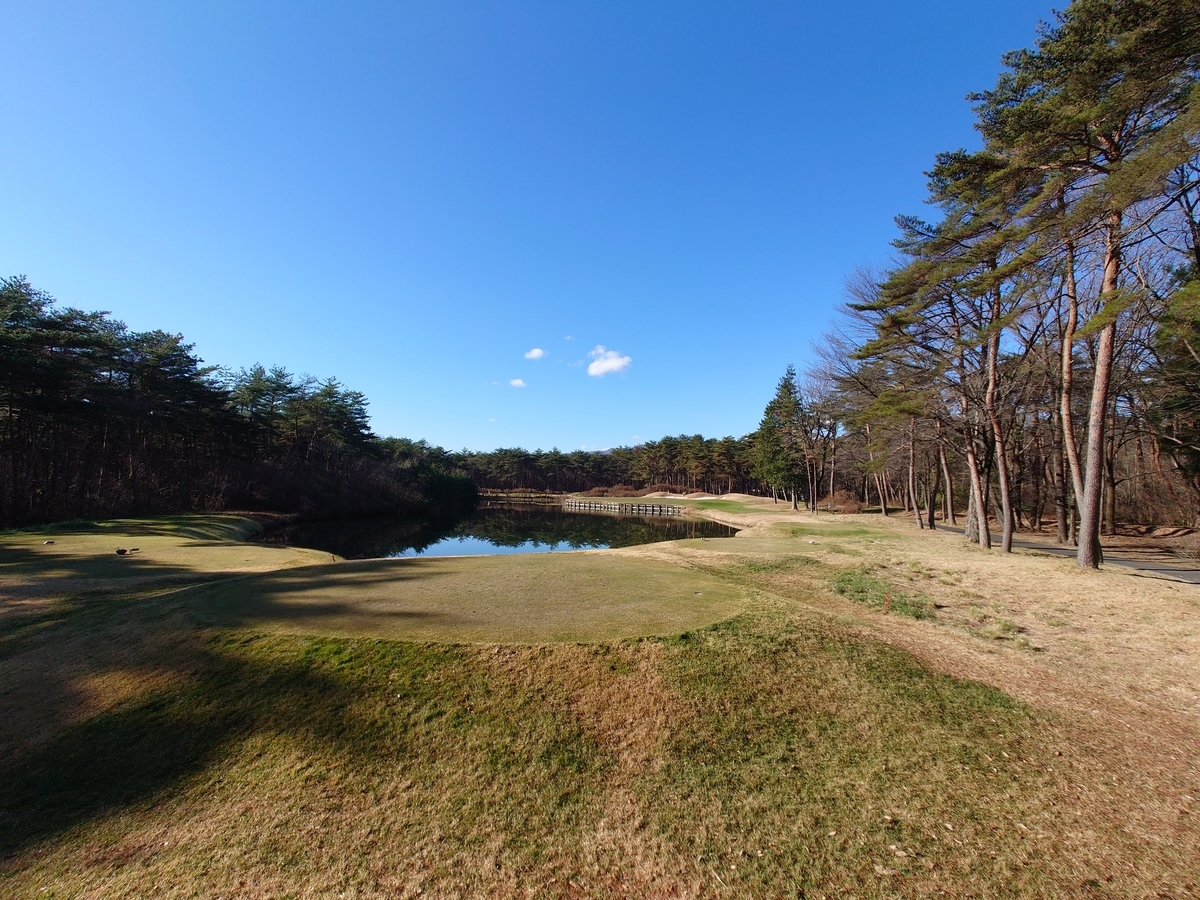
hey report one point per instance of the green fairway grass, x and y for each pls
(82, 555)
(832, 528)
(527, 598)
(715, 504)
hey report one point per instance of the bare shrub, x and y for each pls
(664, 488)
(618, 490)
(841, 502)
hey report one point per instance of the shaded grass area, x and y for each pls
(174, 547)
(878, 594)
(284, 727)
(215, 526)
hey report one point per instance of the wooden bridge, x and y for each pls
(539, 498)
(612, 506)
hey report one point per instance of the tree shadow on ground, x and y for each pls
(26, 562)
(136, 752)
(312, 594)
(64, 762)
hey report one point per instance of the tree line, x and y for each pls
(1036, 347)
(99, 420)
(683, 463)
(1031, 355)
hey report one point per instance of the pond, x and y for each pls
(492, 529)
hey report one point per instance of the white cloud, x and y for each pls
(605, 361)
(535, 353)
(517, 382)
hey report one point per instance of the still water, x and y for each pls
(492, 530)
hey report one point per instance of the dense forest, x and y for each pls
(684, 463)
(102, 421)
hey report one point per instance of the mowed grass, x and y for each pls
(715, 504)
(190, 742)
(83, 555)
(732, 506)
(522, 598)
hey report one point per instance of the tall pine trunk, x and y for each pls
(912, 472)
(1070, 447)
(1058, 481)
(948, 494)
(993, 364)
(1090, 554)
(931, 496)
(979, 524)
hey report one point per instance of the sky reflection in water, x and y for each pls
(492, 530)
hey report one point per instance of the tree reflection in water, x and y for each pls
(504, 528)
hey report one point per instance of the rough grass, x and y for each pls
(817, 763)
(163, 739)
(878, 594)
(316, 766)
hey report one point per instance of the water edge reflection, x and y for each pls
(492, 529)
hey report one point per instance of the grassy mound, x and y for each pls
(763, 759)
(526, 599)
(223, 719)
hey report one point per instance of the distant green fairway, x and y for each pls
(527, 598)
(82, 556)
(523, 598)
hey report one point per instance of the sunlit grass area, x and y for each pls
(84, 555)
(878, 594)
(716, 505)
(698, 719)
(525, 599)
(253, 763)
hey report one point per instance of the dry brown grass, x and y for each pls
(807, 746)
(1114, 654)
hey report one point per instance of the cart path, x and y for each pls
(1154, 560)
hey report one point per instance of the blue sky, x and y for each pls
(413, 196)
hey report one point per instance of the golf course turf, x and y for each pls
(707, 719)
